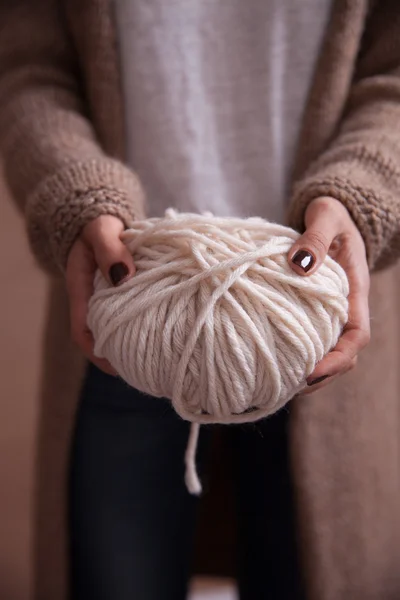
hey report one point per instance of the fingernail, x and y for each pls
(118, 272)
(318, 380)
(304, 259)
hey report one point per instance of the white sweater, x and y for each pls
(214, 95)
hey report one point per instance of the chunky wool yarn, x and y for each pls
(215, 319)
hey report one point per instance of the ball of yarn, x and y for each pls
(215, 319)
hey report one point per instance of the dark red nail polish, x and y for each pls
(319, 379)
(118, 272)
(304, 259)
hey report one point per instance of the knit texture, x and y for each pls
(56, 168)
(360, 166)
(59, 73)
(45, 129)
(67, 200)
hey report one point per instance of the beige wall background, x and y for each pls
(22, 303)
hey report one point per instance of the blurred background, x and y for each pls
(22, 309)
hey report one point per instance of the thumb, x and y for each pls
(112, 256)
(310, 249)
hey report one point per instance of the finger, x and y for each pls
(324, 381)
(112, 256)
(357, 333)
(320, 383)
(310, 249)
(80, 287)
(355, 337)
(83, 337)
(86, 343)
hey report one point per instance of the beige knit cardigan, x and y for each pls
(61, 137)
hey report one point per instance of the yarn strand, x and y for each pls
(191, 477)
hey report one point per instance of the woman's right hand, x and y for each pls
(98, 246)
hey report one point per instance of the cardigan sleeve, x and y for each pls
(361, 165)
(54, 165)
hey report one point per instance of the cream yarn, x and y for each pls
(215, 319)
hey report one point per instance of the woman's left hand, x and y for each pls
(331, 230)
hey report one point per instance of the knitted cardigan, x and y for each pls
(62, 168)
(62, 141)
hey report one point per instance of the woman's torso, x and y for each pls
(214, 95)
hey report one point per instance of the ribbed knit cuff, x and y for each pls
(65, 202)
(372, 215)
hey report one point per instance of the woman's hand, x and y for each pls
(330, 230)
(99, 246)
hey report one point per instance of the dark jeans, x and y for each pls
(131, 518)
